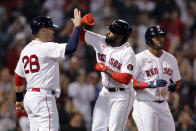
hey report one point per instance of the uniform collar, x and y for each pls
(154, 57)
(37, 41)
(120, 47)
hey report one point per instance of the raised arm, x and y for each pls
(86, 20)
(74, 40)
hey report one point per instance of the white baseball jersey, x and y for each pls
(119, 59)
(112, 108)
(149, 68)
(38, 64)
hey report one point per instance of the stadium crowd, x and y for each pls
(79, 83)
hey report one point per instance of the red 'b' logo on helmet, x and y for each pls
(158, 28)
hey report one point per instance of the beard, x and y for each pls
(110, 41)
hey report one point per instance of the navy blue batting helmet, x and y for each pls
(120, 27)
(42, 22)
(153, 31)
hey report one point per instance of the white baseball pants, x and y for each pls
(112, 110)
(152, 116)
(42, 111)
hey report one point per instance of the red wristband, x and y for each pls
(82, 35)
(139, 85)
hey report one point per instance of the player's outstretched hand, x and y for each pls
(19, 106)
(172, 86)
(100, 67)
(77, 18)
(88, 19)
(157, 83)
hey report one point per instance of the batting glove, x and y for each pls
(172, 86)
(88, 19)
(100, 67)
(157, 83)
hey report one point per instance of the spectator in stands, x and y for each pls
(54, 9)
(145, 5)
(128, 11)
(82, 95)
(71, 66)
(75, 123)
(5, 81)
(185, 123)
(7, 121)
(64, 35)
(69, 5)
(13, 53)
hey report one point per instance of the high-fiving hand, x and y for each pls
(77, 18)
(88, 19)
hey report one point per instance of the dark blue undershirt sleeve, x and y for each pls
(73, 41)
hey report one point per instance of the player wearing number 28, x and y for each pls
(38, 64)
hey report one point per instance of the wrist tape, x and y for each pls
(19, 96)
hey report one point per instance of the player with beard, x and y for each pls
(116, 62)
(116, 97)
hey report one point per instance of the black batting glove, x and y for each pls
(157, 83)
(172, 86)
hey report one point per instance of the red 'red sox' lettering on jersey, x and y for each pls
(155, 71)
(168, 71)
(101, 57)
(115, 63)
(112, 61)
(151, 72)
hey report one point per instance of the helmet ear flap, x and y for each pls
(149, 41)
(33, 27)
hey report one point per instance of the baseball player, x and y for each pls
(116, 61)
(151, 111)
(38, 64)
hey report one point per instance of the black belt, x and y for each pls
(115, 89)
(159, 101)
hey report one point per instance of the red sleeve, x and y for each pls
(178, 84)
(82, 35)
(19, 81)
(123, 78)
(139, 85)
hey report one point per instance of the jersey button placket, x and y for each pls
(108, 62)
(160, 75)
